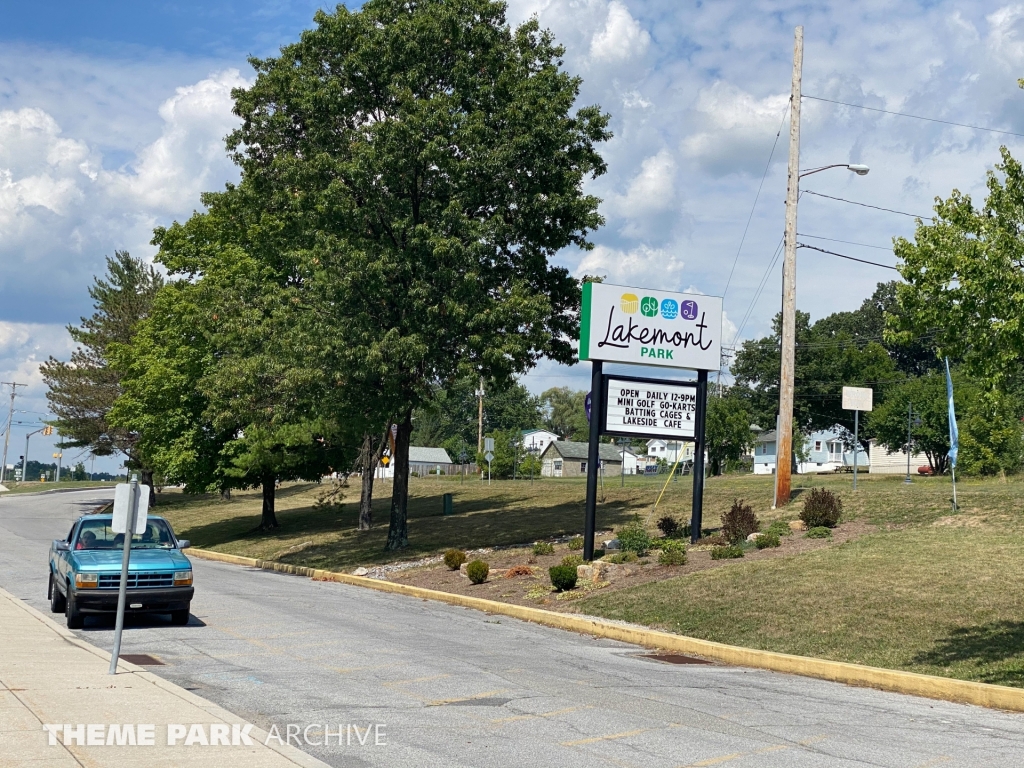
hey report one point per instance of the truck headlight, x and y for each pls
(183, 578)
(87, 580)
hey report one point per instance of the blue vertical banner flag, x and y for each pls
(954, 433)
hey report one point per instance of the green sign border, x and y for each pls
(585, 322)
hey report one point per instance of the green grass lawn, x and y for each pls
(929, 591)
(37, 487)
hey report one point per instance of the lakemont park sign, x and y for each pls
(639, 326)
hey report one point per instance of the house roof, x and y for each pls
(428, 455)
(767, 437)
(570, 450)
(535, 431)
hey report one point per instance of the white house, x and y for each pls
(422, 461)
(670, 450)
(885, 462)
(536, 441)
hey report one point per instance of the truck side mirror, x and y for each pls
(61, 546)
(184, 543)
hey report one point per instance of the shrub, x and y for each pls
(543, 548)
(669, 526)
(518, 570)
(726, 553)
(454, 558)
(623, 557)
(739, 522)
(633, 537)
(563, 577)
(822, 508)
(672, 553)
(477, 571)
(780, 527)
(819, 532)
(576, 542)
(767, 540)
(572, 560)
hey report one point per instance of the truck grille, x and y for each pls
(137, 580)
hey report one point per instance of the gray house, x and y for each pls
(564, 458)
(422, 461)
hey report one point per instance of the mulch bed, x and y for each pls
(533, 590)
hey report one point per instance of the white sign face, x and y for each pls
(488, 444)
(857, 398)
(656, 410)
(645, 327)
(489, 456)
(122, 508)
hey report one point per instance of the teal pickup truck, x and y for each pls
(85, 571)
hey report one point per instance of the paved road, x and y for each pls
(454, 687)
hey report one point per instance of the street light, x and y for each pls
(784, 437)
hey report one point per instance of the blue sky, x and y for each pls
(112, 118)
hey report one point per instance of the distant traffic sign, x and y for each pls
(489, 456)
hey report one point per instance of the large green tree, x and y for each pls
(408, 171)
(727, 431)
(565, 413)
(964, 274)
(82, 391)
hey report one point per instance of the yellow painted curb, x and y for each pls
(897, 681)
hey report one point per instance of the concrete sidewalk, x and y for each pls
(50, 676)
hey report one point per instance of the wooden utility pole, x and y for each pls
(10, 425)
(784, 436)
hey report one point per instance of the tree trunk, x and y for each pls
(269, 520)
(369, 468)
(398, 532)
(225, 494)
(147, 480)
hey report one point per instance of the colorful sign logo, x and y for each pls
(630, 303)
(669, 309)
(688, 310)
(649, 306)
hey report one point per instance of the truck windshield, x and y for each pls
(96, 534)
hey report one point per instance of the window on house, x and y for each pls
(558, 464)
(817, 445)
(583, 466)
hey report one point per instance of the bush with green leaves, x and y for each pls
(822, 508)
(670, 527)
(673, 552)
(767, 540)
(454, 558)
(576, 542)
(563, 577)
(726, 553)
(622, 557)
(477, 571)
(572, 560)
(543, 548)
(819, 532)
(739, 522)
(633, 537)
(780, 527)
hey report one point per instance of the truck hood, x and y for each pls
(107, 560)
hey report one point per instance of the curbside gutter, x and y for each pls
(896, 681)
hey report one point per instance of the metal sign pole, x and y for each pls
(593, 456)
(697, 515)
(133, 507)
(856, 445)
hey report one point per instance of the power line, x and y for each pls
(760, 288)
(916, 117)
(847, 242)
(865, 205)
(844, 256)
(754, 206)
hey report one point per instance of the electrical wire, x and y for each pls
(847, 242)
(760, 288)
(754, 206)
(844, 256)
(864, 205)
(915, 117)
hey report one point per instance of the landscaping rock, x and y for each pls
(797, 525)
(360, 571)
(611, 544)
(462, 570)
(753, 536)
(588, 572)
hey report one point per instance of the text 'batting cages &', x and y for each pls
(644, 327)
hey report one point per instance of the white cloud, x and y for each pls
(640, 266)
(622, 37)
(652, 190)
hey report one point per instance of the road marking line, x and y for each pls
(604, 738)
(735, 756)
(484, 695)
(543, 714)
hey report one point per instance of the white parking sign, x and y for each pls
(122, 508)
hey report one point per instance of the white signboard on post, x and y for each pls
(122, 508)
(646, 327)
(857, 398)
(650, 409)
